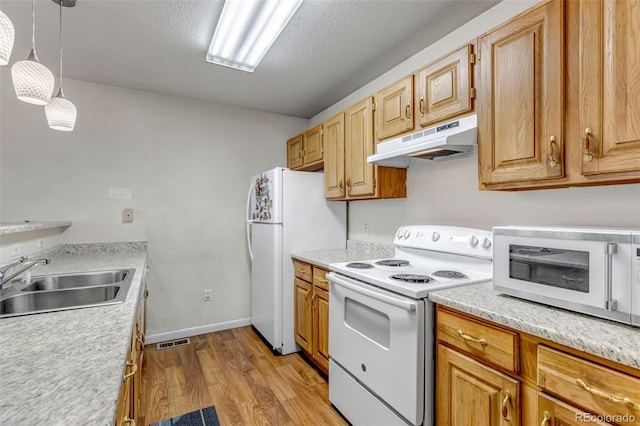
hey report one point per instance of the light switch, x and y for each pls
(127, 216)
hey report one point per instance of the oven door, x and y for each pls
(378, 337)
(581, 272)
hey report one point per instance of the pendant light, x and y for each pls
(7, 36)
(60, 112)
(32, 80)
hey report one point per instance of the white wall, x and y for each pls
(188, 164)
(447, 193)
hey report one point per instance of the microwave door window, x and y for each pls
(560, 268)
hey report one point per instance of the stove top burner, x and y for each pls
(359, 265)
(450, 274)
(393, 262)
(412, 278)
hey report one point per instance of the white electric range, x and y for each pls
(381, 325)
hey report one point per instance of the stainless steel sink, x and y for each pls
(68, 291)
(89, 279)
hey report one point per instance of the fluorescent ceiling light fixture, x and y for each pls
(247, 29)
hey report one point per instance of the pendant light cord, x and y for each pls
(61, 47)
(33, 24)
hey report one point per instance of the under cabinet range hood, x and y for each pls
(436, 143)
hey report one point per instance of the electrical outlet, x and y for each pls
(40, 243)
(365, 229)
(127, 216)
(15, 249)
(207, 295)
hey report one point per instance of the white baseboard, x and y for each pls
(194, 331)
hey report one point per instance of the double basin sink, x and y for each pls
(67, 291)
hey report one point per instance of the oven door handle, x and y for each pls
(407, 306)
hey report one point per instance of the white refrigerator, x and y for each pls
(286, 212)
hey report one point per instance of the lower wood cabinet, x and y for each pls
(470, 393)
(311, 312)
(129, 409)
(547, 384)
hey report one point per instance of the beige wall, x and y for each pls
(447, 193)
(188, 164)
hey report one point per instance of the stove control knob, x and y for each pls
(486, 243)
(435, 236)
(473, 240)
(407, 234)
(399, 235)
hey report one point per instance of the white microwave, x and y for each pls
(594, 271)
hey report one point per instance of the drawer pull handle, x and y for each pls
(322, 281)
(545, 420)
(505, 406)
(626, 401)
(302, 271)
(127, 420)
(132, 372)
(471, 339)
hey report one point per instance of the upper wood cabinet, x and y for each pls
(305, 151)
(312, 146)
(347, 174)
(557, 101)
(360, 175)
(609, 117)
(444, 89)
(521, 98)
(333, 141)
(294, 152)
(394, 105)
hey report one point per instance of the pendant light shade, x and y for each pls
(7, 37)
(32, 80)
(61, 113)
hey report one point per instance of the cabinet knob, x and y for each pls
(588, 134)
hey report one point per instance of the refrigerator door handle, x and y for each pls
(249, 221)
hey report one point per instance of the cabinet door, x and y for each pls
(395, 108)
(333, 141)
(302, 314)
(294, 152)
(521, 98)
(321, 328)
(312, 145)
(470, 393)
(609, 81)
(560, 414)
(444, 88)
(359, 144)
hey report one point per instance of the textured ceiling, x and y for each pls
(329, 49)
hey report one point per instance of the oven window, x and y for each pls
(372, 324)
(559, 268)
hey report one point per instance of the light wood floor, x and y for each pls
(234, 371)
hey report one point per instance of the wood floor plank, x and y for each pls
(235, 371)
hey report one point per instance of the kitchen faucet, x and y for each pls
(28, 264)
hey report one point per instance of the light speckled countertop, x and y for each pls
(356, 250)
(13, 227)
(65, 368)
(603, 338)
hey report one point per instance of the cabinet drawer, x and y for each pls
(492, 344)
(320, 278)
(593, 387)
(302, 270)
